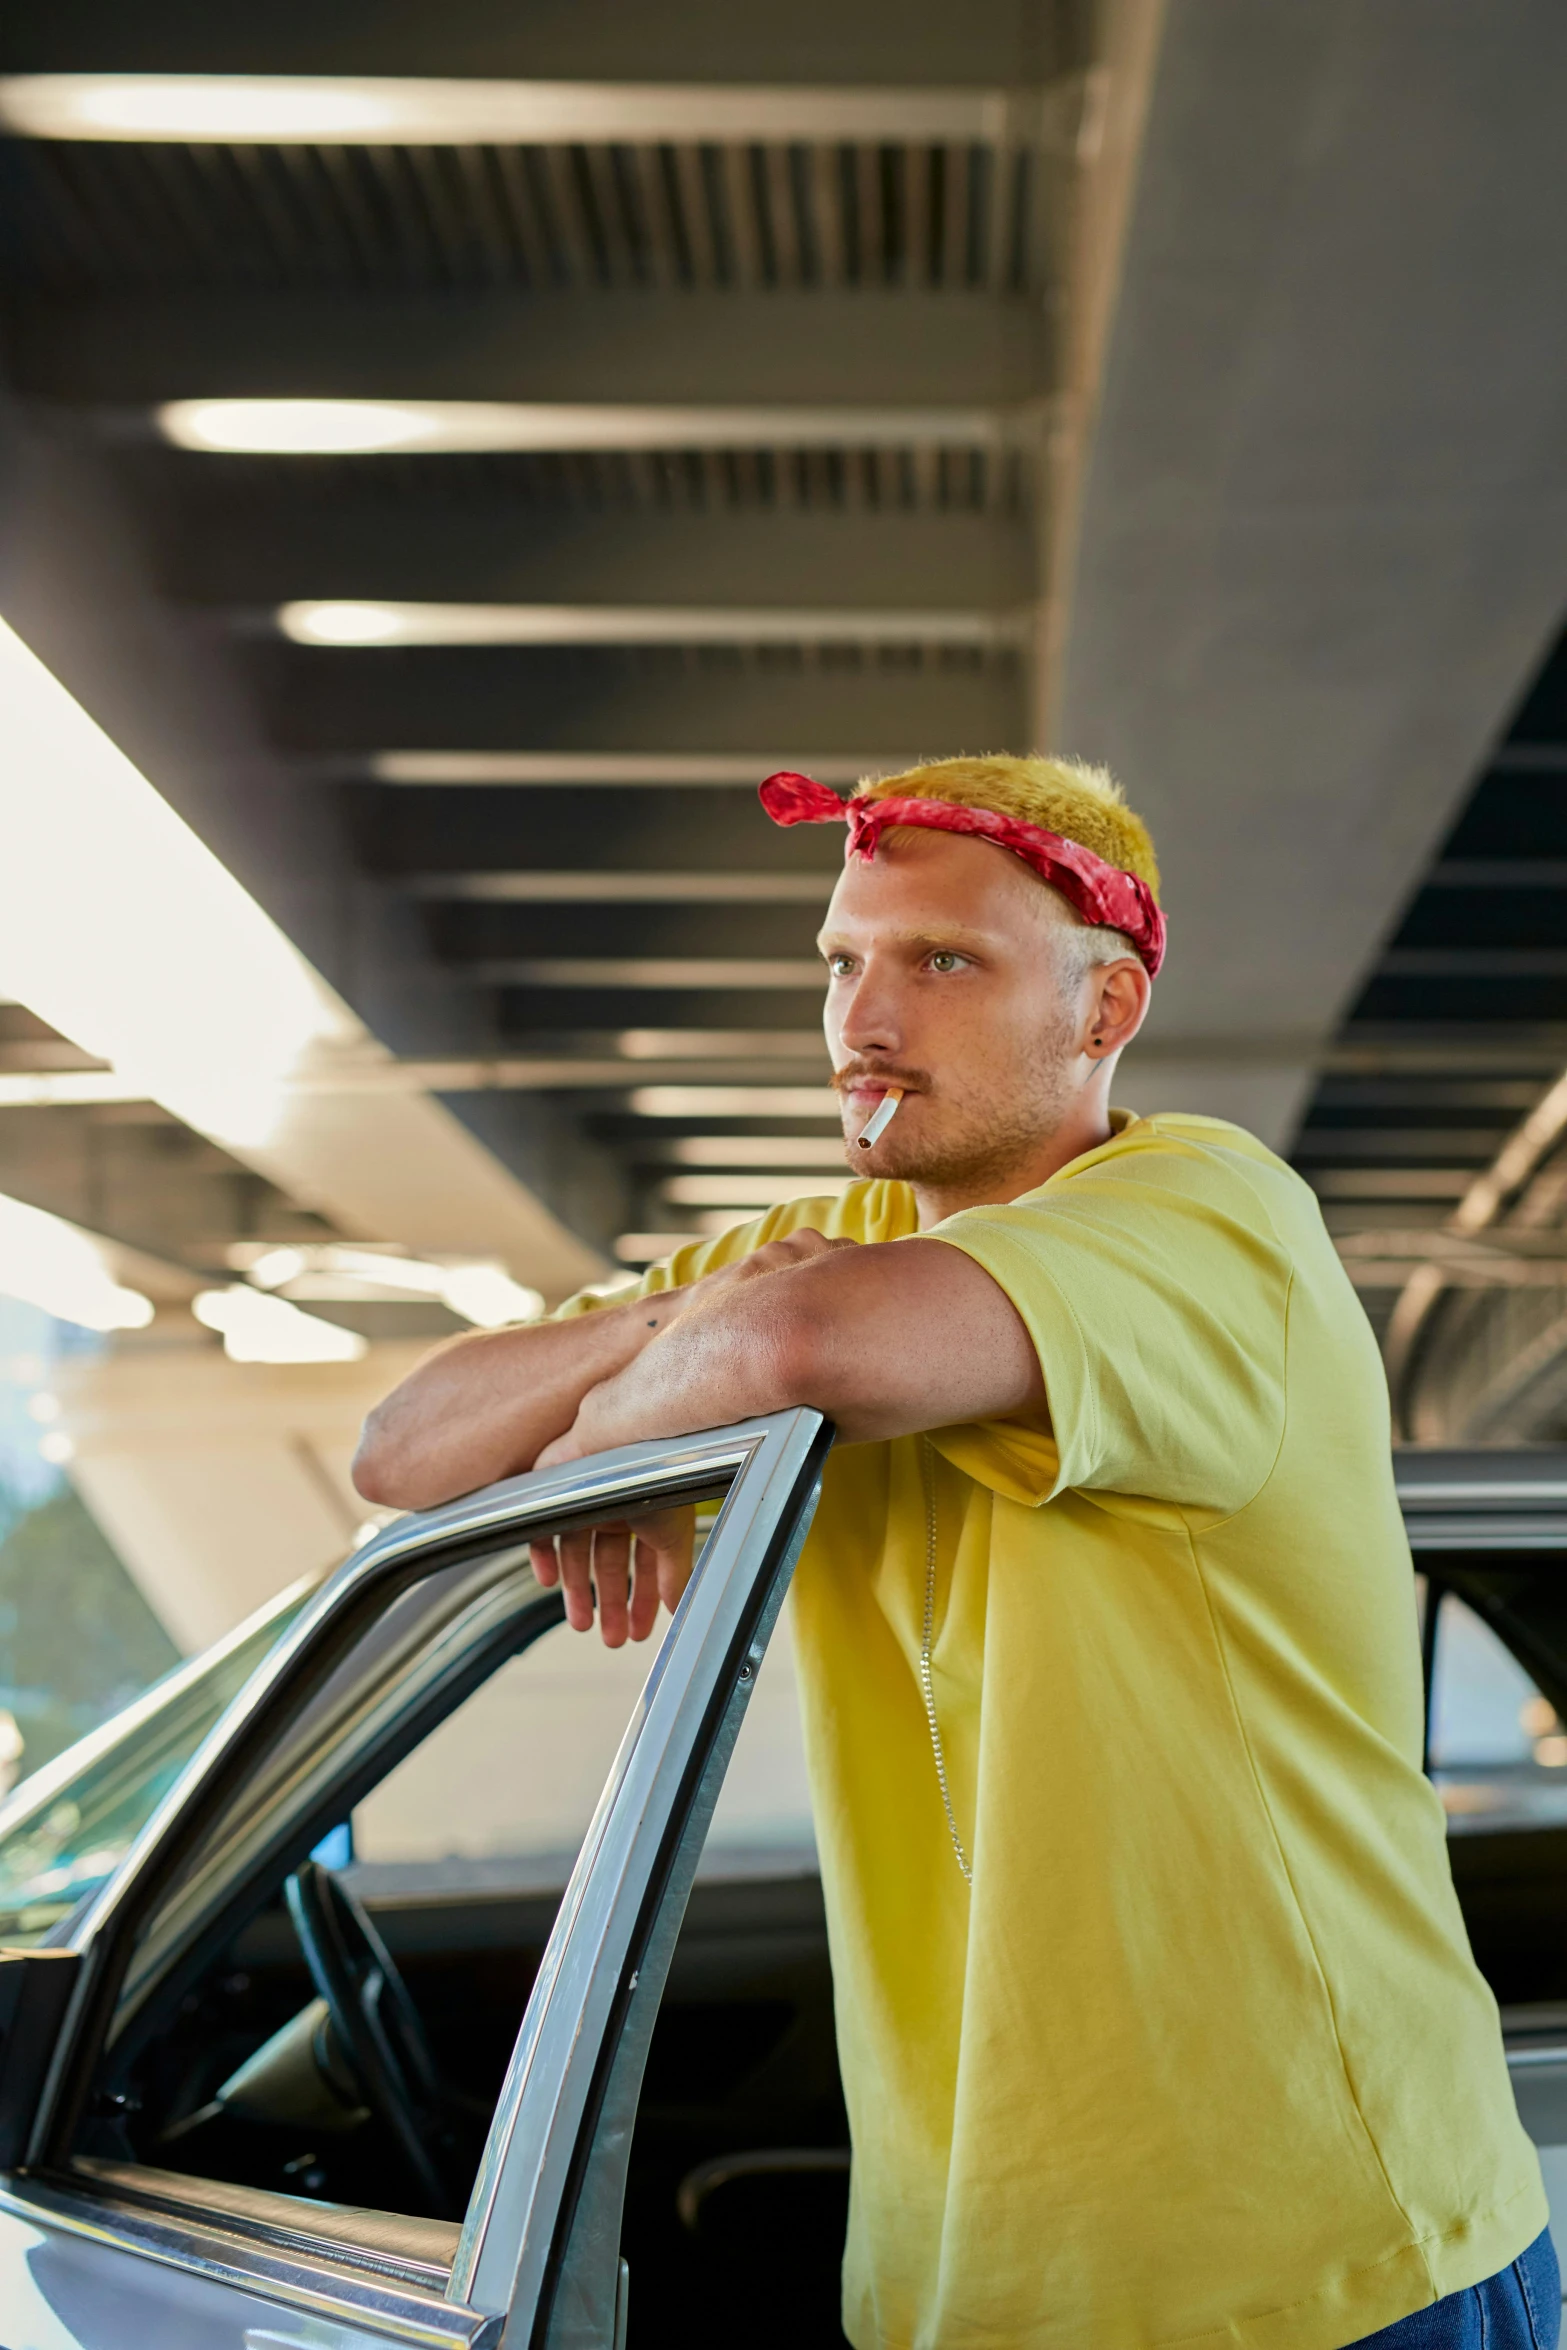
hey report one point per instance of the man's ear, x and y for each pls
(1121, 992)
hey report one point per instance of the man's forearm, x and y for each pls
(885, 1340)
(484, 1407)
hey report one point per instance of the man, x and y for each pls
(1157, 2020)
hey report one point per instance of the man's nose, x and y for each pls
(871, 1018)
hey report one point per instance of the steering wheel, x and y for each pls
(377, 2026)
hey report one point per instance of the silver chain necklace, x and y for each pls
(928, 1486)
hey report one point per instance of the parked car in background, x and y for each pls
(258, 2093)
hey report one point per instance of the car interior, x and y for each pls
(343, 2043)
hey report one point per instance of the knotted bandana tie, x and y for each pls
(1103, 894)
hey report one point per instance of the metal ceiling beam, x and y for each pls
(605, 889)
(1484, 1048)
(1529, 759)
(707, 831)
(560, 771)
(531, 1015)
(471, 933)
(1498, 873)
(864, 347)
(985, 43)
(323, 701)
(651, 971)
(1472, 963)
(1350, 1143)
(277, 545)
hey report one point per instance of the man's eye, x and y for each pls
(945, 960)
(839, 966)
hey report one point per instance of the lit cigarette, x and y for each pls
(882, 1117)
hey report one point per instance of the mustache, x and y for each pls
(911, 1080)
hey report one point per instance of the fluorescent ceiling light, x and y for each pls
(756, 1150)
(380, 110)
(261, 1329)
(316, 428)
(630, 889)
(270, 108)
(124, 932)
(481, 1293)
(333, 621)
(749, 1191)
(42, 1089)
(618, 768)
(48, 1263)
(489, 1297)
(346, 428)
(734, 1101)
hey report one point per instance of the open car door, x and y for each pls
(112, 2254)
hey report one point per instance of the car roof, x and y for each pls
(1454, 1499)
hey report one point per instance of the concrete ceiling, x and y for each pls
(1194, 402)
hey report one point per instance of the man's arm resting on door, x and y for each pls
(886, 1339)
(482, 1407)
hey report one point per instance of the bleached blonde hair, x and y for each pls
(1068, 796)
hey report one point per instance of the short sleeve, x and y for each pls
(1156, 1294)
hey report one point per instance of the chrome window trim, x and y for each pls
(300, 2275)
(502, 2261)
(279, 2219)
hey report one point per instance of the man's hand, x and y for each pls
(628, 1565)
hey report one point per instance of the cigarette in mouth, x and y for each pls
(881, 1119)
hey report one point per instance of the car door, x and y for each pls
(104, 2254)
(1489, 1537)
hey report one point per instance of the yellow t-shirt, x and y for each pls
(1203, 2058)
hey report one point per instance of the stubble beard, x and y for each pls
(989, 1135)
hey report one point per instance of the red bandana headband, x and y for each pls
(1102, 894)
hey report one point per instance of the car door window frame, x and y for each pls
(627, 1880)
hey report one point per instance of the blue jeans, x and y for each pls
(1520, 2309)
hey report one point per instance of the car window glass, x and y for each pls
(1498, 1753)
(501, 1794)
(64, 1830)
(416, 1656)
(237, 2073)
(469, 1736)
